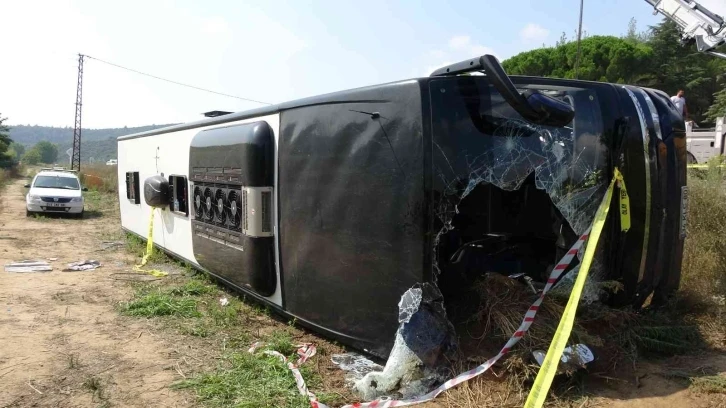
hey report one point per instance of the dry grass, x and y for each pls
(704, 263)
(714, 384)
(702, 295)
(10, 173)
(617, 336)
(693, 320)
(100, 177)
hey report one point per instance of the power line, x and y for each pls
(178, 83)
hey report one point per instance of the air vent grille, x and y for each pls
(248, 210)
(266, 211)
(244, 206)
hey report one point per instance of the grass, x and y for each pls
(137, 246)
(702, 294)
(712, 384)
(73, 361)
(704, 273)
(241, 379)
(692, 321)
(158, 303)
(237, 378)
(95, 386)
(6, 175)
(250, 380)
(99, 177)
(193, 287)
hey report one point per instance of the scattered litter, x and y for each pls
(223, 301)
(356, 365)
(106, 245)
(28, 266)
(82, 266)
(52, 259)
(573, 357)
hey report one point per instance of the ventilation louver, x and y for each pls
(208, 205)
(220, 206)
(234, 209)
(198, 201)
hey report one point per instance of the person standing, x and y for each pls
(680, 101)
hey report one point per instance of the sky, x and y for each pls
(271, 51)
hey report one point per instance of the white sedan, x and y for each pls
(55, 191)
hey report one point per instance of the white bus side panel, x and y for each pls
(168, 153)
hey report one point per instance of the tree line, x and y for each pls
(654, 58)
(11, 153)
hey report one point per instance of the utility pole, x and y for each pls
(76, 157)
(579, 37)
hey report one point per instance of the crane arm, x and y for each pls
(698, 23)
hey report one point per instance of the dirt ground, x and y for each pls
(63, 343)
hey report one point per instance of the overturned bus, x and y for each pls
(328, 209)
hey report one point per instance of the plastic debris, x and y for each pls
(28, 266)
(573, 357)
(106, 245)
(223, 301)
(52, 259)
(526, 279)
(82, 266)
(355, 365)
(424, 340)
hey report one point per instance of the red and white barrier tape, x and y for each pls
(308, 350)
(305, 351)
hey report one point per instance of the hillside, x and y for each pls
(99, 144)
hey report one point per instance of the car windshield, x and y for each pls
(68, 183)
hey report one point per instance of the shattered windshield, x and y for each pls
(479, 138)
(67, 183)
(509, 199)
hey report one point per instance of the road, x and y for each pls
(62, 343)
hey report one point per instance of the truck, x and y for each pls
(707, 30)
(328, 209)
(705, 143)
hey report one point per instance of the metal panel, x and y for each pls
(230, 160)
(352, 226)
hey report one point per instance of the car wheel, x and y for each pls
(80, 215)
(28, 213)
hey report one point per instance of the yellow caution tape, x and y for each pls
(149, 251)
(548, 370)
(704, 166)
(624, 201)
